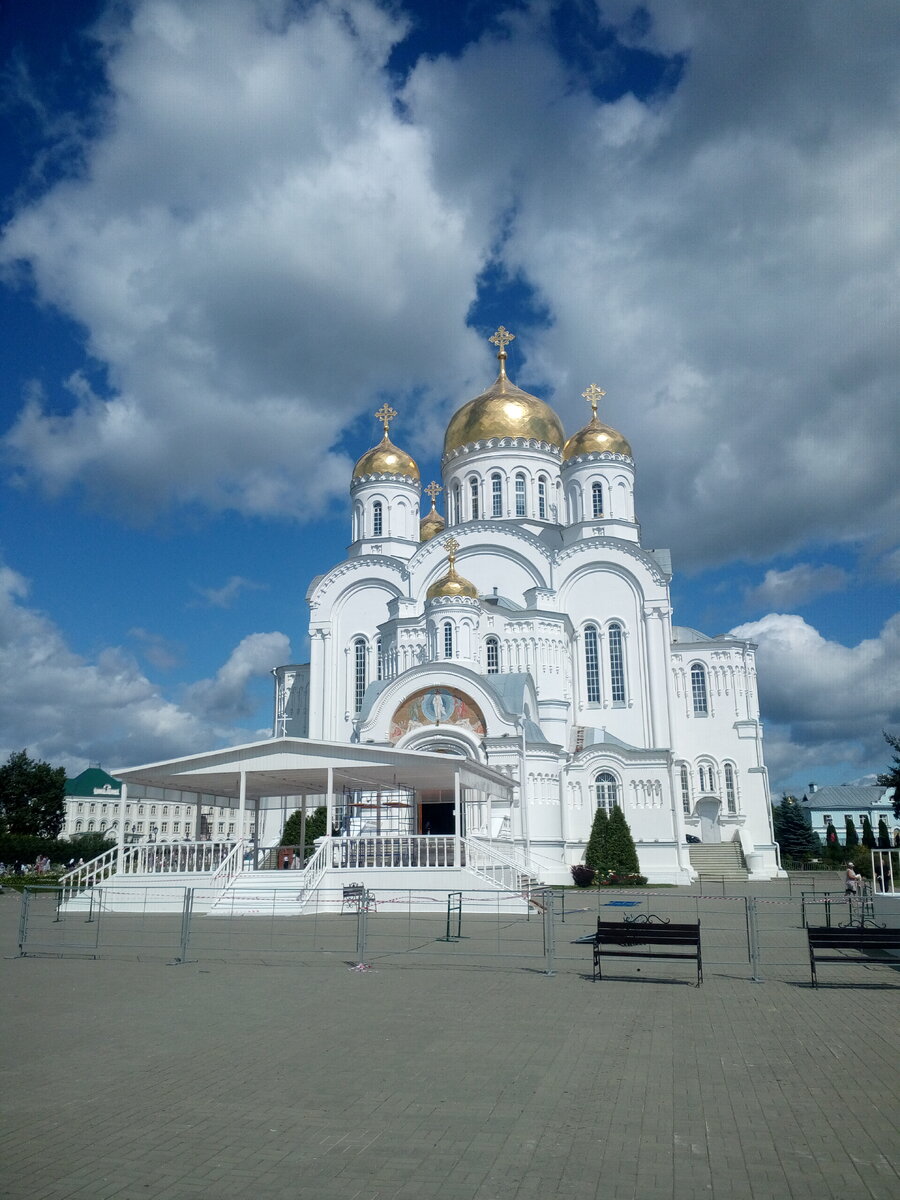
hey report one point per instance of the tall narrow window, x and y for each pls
(448, 640)
(698, 690)
(379, 665)
(597, 499)
(492, 648)
(377, 519)
(542, 498)
(457, 504)
(520, 495)
(616, 665)
(359, 672)
(473, 493)
(496, 496)
(591, 664)
(730, 793)
(685, 789)
(607, 791)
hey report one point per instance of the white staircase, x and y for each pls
(719, 860)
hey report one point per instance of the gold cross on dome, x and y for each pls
(502, 338)
(593, 395)
(451, 546)
(386, 414)
(433, 490)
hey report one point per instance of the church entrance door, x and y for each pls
(708, 812)
(436, 819)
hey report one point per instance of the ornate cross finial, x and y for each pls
(451, 546)
(501, 339)
(386, 414)
(433, 490)
(594, 395)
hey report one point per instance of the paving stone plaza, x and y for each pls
(447, 1074)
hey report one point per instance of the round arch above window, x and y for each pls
(607, 790)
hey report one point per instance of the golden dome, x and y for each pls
(451, 584)
(432, 523)
(504, 410)
(595, 438)
(386, 458)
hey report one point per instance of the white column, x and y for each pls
(329, 803)
(457, 816)
(120, 846)
(242, 805)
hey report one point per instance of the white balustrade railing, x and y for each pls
(89, 873)
(397, 850)
(498, 867)
(230, 866)
(163, 858)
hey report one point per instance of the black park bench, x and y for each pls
(646, 936)
(857, 943)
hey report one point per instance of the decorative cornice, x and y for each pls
(349, 565)
(504, 443)
(414, 485)
(595, 456)
(630, 549)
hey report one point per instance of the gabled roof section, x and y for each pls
(844, 796)
(93, 782)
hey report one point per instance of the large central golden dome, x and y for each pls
(503, 411)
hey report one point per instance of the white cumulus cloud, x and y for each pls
(796, 585)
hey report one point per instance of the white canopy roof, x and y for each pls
(298, 766)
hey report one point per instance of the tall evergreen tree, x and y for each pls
(32, 796)
(793, 832)
(884, 838)
(868, 835)
(595, 854)
(832, 845)
(621, 855)
(891, 778)
(851, 837)
(315, 826)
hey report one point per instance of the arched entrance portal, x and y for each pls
(708, 812)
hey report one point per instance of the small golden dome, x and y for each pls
(431, 524)
(386, 458)
(595, 438)
(504, 410)
(451, 584)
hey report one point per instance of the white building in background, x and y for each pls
(151, 814)
(530, 630)
(832, 805)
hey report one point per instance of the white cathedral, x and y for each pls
(530, 632)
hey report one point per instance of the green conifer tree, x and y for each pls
(832, 845)
(595, 854)
(793, 832)
(315, 827)
(851, 837)
(868, 834)
(621, 855)
(884, 838)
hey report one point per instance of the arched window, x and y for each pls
(473, 494)
(520, 495)
(542, 497)
(730, 793)
(78, 825)
(496, 495)
(607, 791)
(448, 640)
(699, 696)
(597, 499)
(685, 789)
(457, 504)
(90, 826)
(492, 650)
(165, 810)
(616, 664)
(591, 664)
(377, 518)
(359, 673)
(379, 665)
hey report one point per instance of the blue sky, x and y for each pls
(231, 229)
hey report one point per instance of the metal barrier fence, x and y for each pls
(742, 937)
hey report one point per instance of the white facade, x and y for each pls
(551, 656)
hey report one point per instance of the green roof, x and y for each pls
(93, 782)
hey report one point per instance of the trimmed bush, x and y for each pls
(583, 876)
